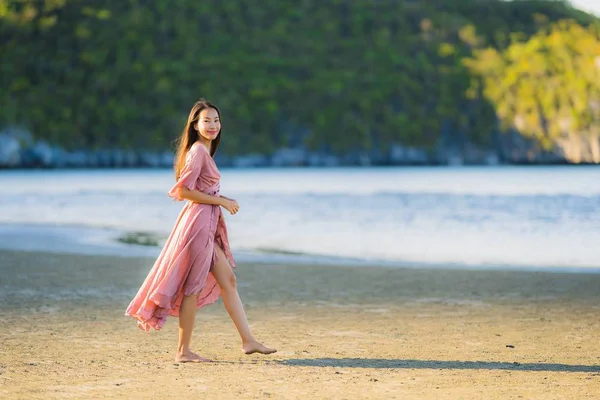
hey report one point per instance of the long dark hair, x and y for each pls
(190, 135)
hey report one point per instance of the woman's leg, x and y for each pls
(233, 304)
(187, 316)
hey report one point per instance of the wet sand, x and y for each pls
(342, 333)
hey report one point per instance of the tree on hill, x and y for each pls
(548, 88)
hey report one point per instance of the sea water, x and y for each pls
(469, 217)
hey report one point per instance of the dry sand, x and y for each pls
(342, 333)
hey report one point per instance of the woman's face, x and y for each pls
(209, 124)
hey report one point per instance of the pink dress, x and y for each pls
(185, 262)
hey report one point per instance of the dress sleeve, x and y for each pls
(189, 173)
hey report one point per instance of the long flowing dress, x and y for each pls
(185, 262)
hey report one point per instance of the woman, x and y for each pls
(196, 265)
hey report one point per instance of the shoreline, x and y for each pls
(100, 241)
(120, 277)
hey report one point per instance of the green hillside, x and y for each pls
(336, 76)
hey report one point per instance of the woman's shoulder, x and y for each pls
(197, 151)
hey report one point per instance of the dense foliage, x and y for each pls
(548, 88)
(332, 75)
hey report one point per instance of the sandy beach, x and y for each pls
(342, 333)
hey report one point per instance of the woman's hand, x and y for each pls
(230, 205)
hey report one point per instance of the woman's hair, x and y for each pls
(190, 135)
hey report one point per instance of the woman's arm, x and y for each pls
(199, 197)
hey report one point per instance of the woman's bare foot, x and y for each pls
(190, 357)
(255, 347)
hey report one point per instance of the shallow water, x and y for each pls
(513, 217)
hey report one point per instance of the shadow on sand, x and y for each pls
(432, 364)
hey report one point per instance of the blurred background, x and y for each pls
(440, 132)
